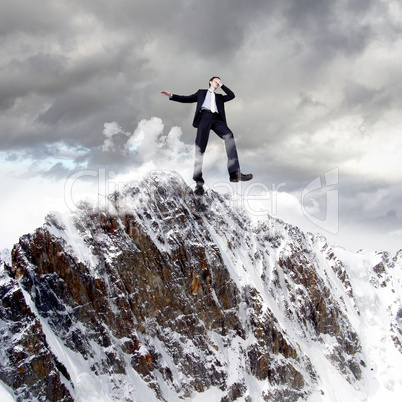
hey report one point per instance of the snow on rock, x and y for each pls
(167, 296)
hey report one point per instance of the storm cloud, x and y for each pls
(317, 87)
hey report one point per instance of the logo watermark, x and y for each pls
(318, 201)
(256, 198)
(328, 207)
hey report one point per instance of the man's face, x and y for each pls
(214, 84)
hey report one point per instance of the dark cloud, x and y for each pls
(117, 52)
(310, 77)
(40, 73)
(329, 29)
(56, 172)
(370, 103)
(39, 18)
(308, 100)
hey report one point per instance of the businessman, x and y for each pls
(210, 115)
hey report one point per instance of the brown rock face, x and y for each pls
(27, 365)
(156, 289)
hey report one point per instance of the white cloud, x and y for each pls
(110, 130)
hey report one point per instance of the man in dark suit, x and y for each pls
(210, 115)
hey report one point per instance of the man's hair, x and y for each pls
(209, 83)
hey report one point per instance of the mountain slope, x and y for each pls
(168, 297)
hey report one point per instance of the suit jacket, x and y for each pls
(199, 97)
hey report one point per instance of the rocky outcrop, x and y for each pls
(27, 364)
(165, 295)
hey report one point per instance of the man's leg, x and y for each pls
(220, 128)
(201, 142)
(197, 175)
(231, 152)
(223, 131)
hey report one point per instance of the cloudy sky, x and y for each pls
(317, 114)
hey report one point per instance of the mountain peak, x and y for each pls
(168, 296)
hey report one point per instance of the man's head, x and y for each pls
(214, 82)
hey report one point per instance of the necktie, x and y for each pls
(213, 110)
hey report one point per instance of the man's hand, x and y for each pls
(215, 83)
(166, 93)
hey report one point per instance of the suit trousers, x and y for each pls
(213, 121)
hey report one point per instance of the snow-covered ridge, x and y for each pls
(166, 296)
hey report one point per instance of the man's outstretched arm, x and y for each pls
(181, 98)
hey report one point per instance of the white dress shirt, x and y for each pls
(207, 102)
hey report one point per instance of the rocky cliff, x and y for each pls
(167, 297)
